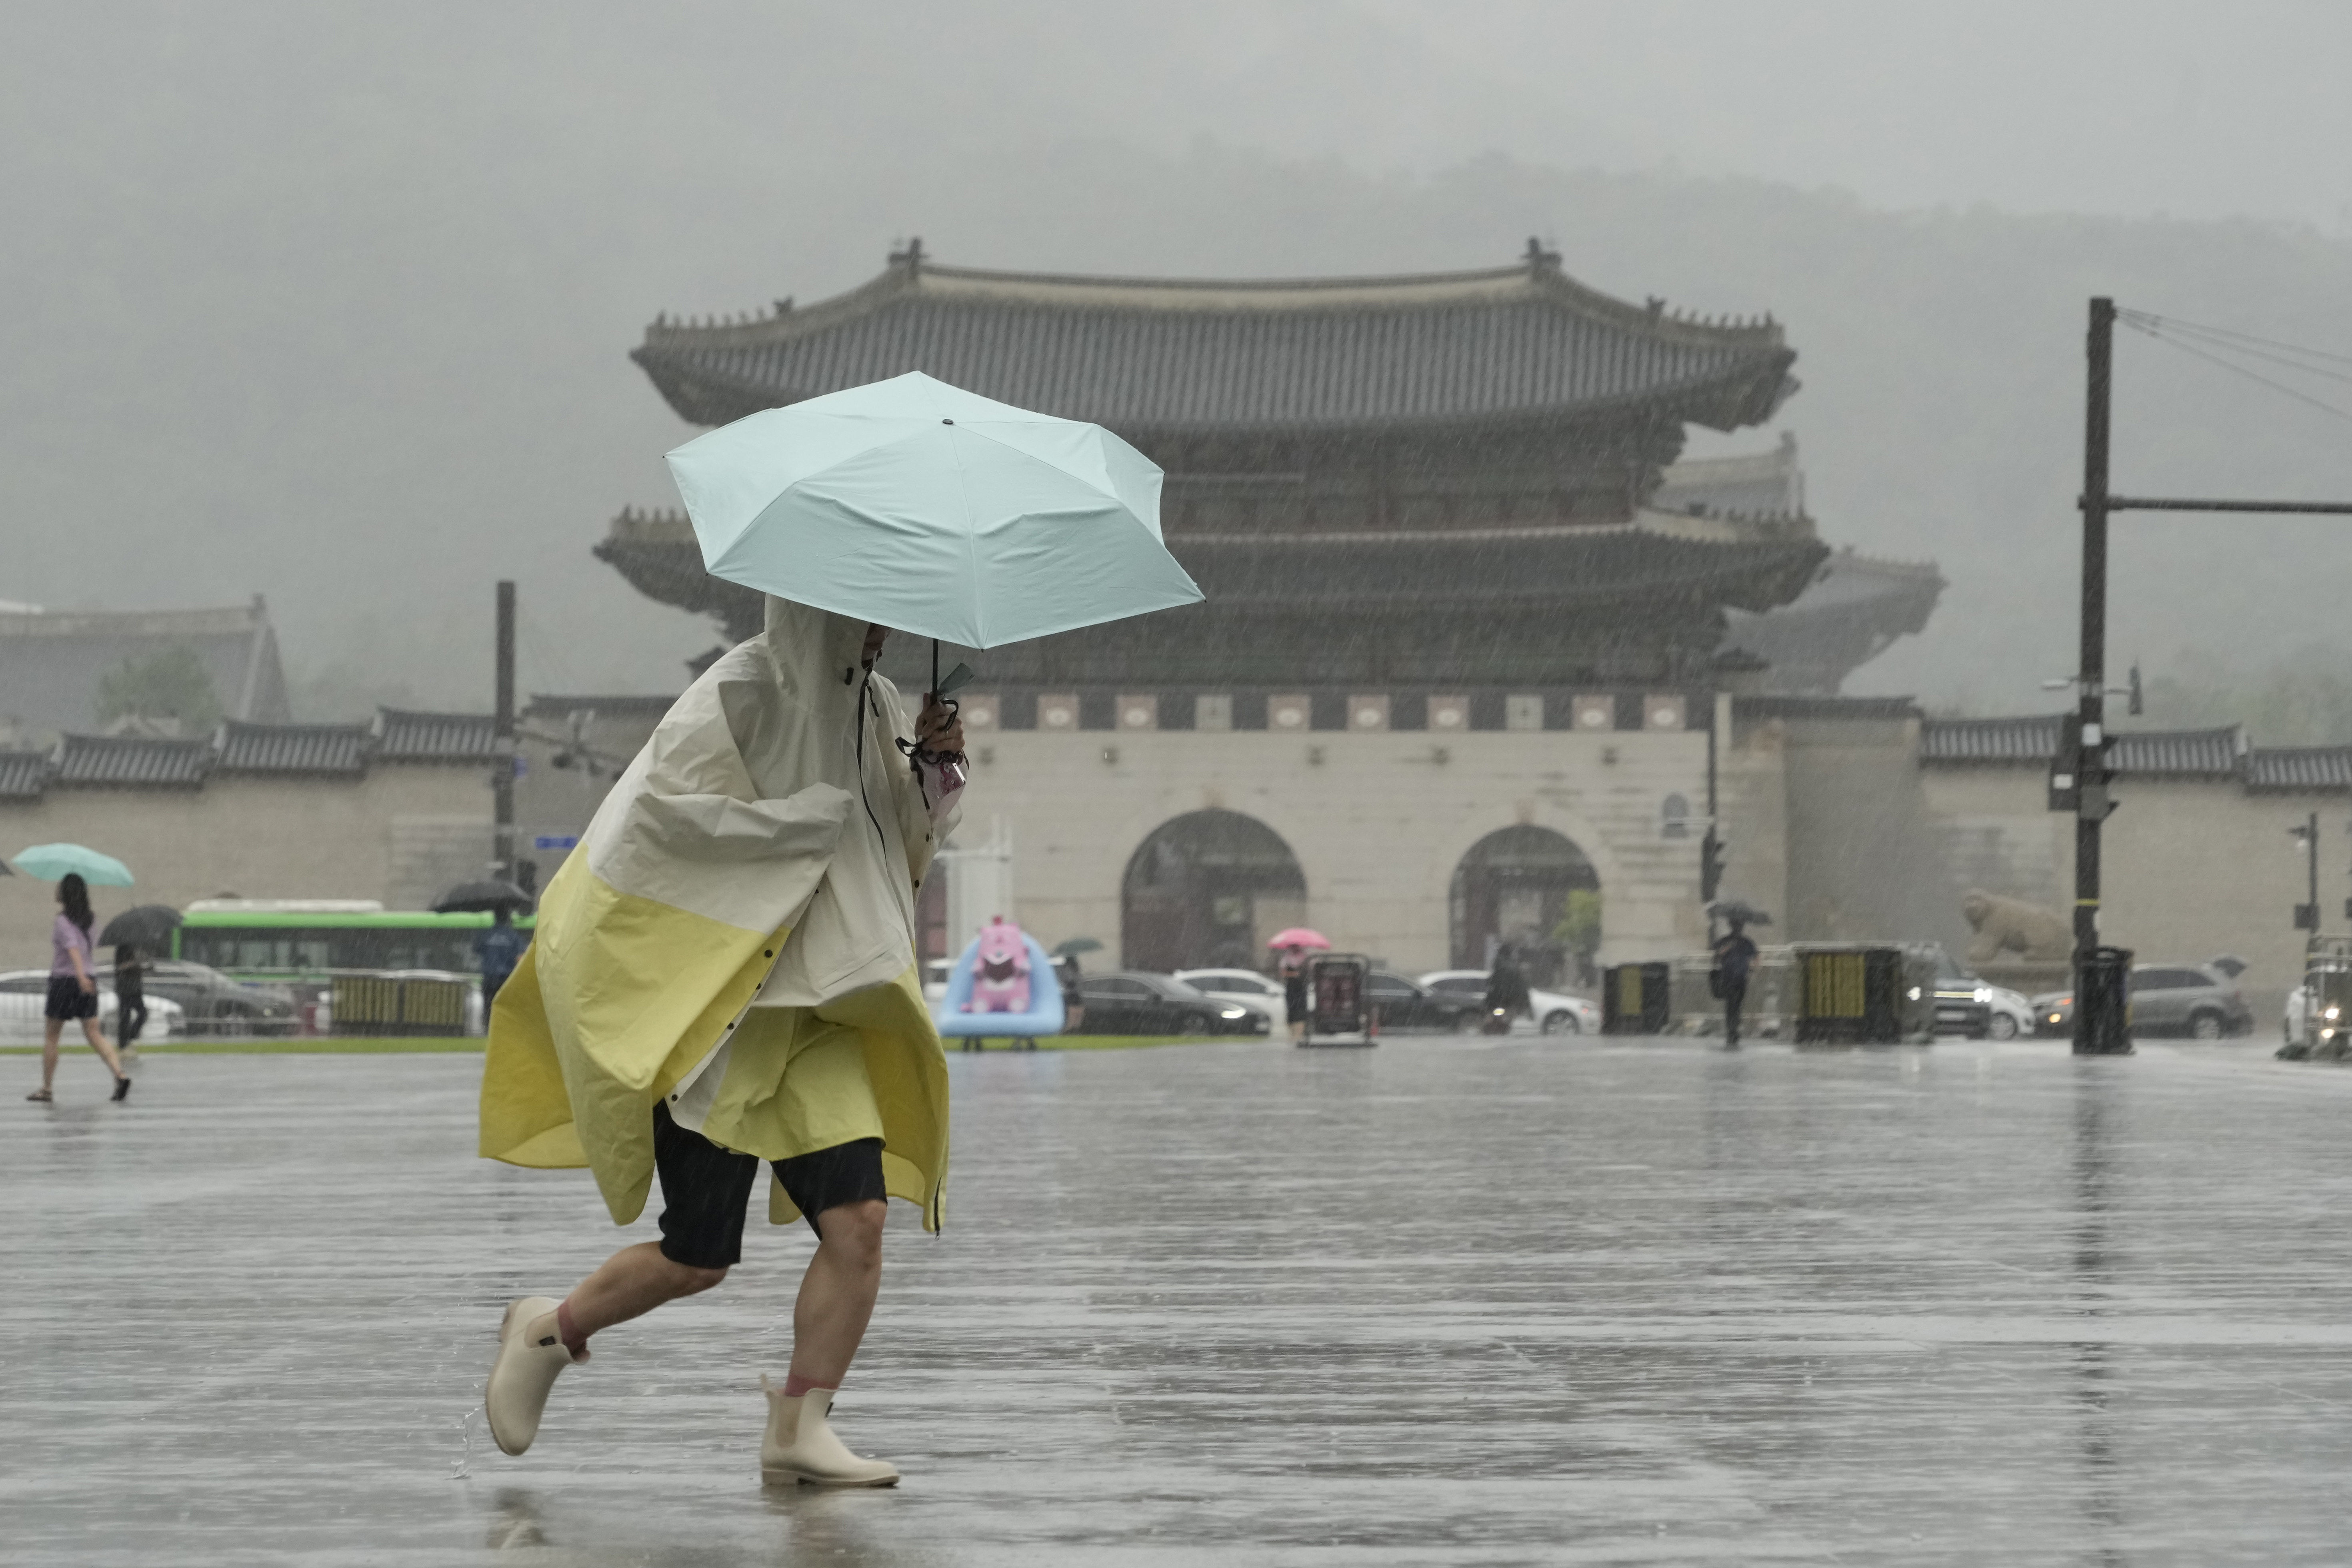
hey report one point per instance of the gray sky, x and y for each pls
(332, 302)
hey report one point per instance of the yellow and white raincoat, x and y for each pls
(735, 935)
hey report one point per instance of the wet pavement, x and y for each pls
(1442, 1302)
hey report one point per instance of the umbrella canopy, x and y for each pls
(1075, 945)
(1300, 937)
(54, 862)
(487, 897)
(147, 927)
(930, 509)
(1747, 914)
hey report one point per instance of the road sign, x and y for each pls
(555, 841)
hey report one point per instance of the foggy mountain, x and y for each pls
(336, 308)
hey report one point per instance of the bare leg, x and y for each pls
(98, 1042)
(837, 1298)
(49, 1054)
(633, 1283)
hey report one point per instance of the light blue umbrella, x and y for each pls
(927, 509)
(52, 862)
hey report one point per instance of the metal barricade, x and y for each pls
(1636, 998)
(1852, 995)
(398, 1004)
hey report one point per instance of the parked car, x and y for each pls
(24, 997)
(2008, 1013)
(215, 1004)
(1405, 1006)
(1552, 1012)
(2190, 999)
(1135, 1002)
(1244, 987)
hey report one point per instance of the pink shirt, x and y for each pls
(65, 939)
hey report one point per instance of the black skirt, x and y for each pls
(68, 1001)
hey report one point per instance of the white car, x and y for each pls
(1246, 986)
(23, 1001)
(2008, 1013)
(1551, 1012)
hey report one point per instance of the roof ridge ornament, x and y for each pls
(910, 256)
(1538, 259)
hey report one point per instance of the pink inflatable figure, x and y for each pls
(999, 969)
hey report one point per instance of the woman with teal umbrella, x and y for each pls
(73, 987)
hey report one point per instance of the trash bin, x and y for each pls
(1635, 998)
(1849, 995)
(2103, 1004)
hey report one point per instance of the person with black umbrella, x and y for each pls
(497, 950)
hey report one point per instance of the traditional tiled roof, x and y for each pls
(2299, 768)
(2178, 754)
(132, 760)
(2033, 741)
(339, 749)
(1767, 706)
(404, 735)
(1158, 355)
(2027, 740)
(23, 774)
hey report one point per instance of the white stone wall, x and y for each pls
(1378, 821)
(401, 834)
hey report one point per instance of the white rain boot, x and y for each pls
(800, 1446)
(524, 1372)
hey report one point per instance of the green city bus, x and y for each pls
(295, 941)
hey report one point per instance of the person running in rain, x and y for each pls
(726, 975)
(73, 988)
(1734, 953)
(129, 995)
(497, 950)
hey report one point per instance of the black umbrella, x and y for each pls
(1747, 914)
(147, 927)
(481, 898)
(1077, 945)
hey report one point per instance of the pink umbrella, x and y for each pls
(1299, 937)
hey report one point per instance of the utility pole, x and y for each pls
(2095, 1034)
(2102, 975)
(502, 782)
(2306, 916)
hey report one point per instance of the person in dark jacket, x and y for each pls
(1735, 954)
(499, 950)
(129, 995)
(1506, 992)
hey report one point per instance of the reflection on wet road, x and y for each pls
(1443, 1301)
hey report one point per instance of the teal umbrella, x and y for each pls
(53, 862)
(927, 509)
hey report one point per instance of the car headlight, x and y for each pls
(1914, 993)
(1984, 992)
(1234, 1013)
(2057, 1017)
(2330, 1013)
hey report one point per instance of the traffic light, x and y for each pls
(1712, 852)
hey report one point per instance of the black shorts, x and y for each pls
(67, 1000)
(705, 1189)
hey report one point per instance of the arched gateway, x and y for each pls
(1206, 889)
(1514, 886)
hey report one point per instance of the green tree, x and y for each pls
(171, 683)
(1578, 929)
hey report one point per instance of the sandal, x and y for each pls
(40, 1094)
